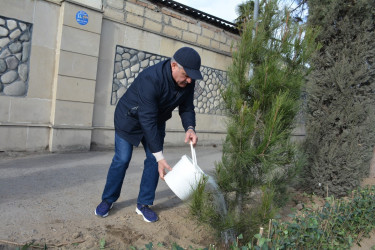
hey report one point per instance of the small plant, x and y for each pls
(337, 225)
(148, 246)
(102, 243)
(27, 245)
(32, 245)
(175, 246)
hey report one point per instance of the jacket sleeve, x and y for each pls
(148, 97)
(186, 109)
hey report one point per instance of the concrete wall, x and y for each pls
(66, 104)
(25, 120)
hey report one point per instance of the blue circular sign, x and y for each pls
(82, 17)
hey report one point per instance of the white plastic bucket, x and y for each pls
(185, 176)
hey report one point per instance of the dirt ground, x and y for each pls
(122, 229)
(50, 199)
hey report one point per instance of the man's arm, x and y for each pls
(187, 114)
(147, 114)
(162, 164)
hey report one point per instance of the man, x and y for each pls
(140, 116)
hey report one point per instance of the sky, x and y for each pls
(224, 9)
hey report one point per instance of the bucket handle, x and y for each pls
(193, 155)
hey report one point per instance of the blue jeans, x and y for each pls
(117, 170)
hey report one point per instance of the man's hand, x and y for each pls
(162, 165)
(191, 136)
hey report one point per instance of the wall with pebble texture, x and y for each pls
(130, 62)
(15, 44)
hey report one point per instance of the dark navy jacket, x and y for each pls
(148, 103)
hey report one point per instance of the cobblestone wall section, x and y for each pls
(130, 62)
(146, 15)
(15, 45)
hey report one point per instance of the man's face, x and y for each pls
(179, 75)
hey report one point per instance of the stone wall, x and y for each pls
(15, 44)
(61, 76)
(130, 62)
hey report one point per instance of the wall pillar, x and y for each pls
(73, 92)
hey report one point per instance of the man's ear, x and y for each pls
(174, 66)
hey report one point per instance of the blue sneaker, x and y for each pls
(103, 208)
(147, 213)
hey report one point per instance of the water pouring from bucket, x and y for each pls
(185, 177)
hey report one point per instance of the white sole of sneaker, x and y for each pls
(140, 213)
(105, 214)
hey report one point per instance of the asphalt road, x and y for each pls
(36, 187)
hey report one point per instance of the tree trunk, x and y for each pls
(238, 209)
(372, 166)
